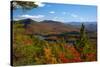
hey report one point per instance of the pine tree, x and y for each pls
(23, 4)
(83, 44)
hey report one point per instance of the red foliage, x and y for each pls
(62, 58)
(28, 42)
(65, 60)
(76, 59)
(74, 52)
(91, 56)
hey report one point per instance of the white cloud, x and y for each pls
(55, 17)
(74, 15)
(52, 12)
(40, 4)
(32, 16)
(58, 19)
(77, 17)
(83, 19)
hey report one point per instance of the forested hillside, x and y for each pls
(51, 42)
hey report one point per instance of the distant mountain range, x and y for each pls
(52, 27)
(90, 26)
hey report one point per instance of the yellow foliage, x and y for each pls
(54, 61)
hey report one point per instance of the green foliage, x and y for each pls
(83, 45)
(25, 54)
(23, 4)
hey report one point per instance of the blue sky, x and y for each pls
(58, 12)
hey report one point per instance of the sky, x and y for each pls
(58, 12)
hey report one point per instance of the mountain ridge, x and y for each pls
(55, 26)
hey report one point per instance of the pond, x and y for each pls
(52, 40)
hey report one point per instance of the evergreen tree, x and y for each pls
(83, 44)
(23, 4)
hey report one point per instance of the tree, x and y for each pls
(23, 4)
(83, 44)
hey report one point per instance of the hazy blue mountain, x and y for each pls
(90, 26)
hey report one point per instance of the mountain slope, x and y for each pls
(46, 27)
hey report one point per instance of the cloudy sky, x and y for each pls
(58, 12)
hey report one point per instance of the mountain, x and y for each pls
(47, 27)
(90, 26)
(25, 21)
(54, 27)
(51, 22)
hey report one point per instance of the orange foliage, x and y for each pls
(28, 42)
(49, 56)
